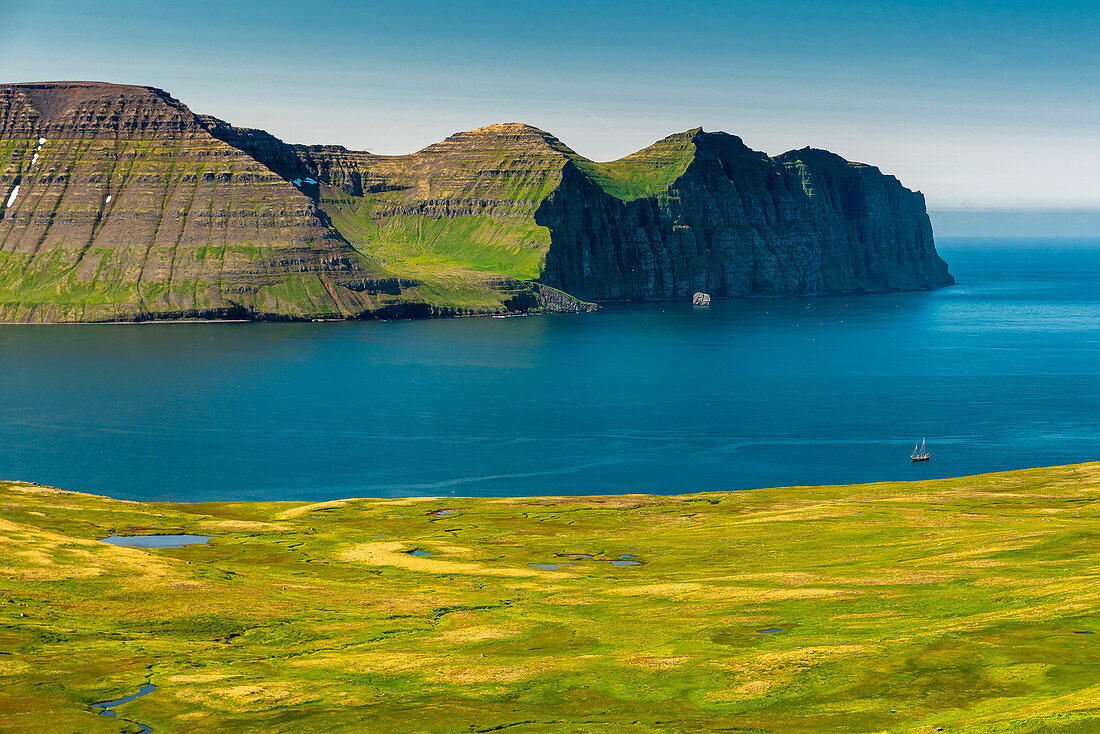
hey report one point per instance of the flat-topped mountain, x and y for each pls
(117, 202)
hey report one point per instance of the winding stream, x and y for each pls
(106, 706)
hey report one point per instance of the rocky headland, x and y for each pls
(120, 203)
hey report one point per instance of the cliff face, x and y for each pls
(735, 222)
(120, 203)
(695, 211)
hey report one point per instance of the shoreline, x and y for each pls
(1084, 465)
(505, 314)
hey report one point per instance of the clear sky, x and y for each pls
(982, 105)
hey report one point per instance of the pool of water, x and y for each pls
(157, 541)
(1001, 371)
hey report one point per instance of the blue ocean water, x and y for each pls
(1001, 371)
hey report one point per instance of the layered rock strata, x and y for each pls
(119, 203)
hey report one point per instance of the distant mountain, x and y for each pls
(119, 203)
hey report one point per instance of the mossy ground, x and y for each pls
(406, 243)
(647, 173)
(902, 607)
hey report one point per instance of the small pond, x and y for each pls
(157, 541)
(623, 559)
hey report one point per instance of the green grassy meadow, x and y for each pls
(899, 607)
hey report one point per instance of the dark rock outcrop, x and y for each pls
(738, 223)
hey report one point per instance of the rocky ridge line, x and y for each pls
(122, 204)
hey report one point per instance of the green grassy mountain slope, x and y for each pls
(466, 202)
(644, 174)
(118, 205)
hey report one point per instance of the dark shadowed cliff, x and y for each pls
(120, 203)
(735, 222)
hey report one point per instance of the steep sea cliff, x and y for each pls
(738, 223)
(119, 203)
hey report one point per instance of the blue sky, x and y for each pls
(982, 105)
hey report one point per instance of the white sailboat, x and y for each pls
(920, 453)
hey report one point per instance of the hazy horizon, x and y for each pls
(983, 105)
(1004, 224)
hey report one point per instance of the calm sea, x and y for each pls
(1001, 371)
